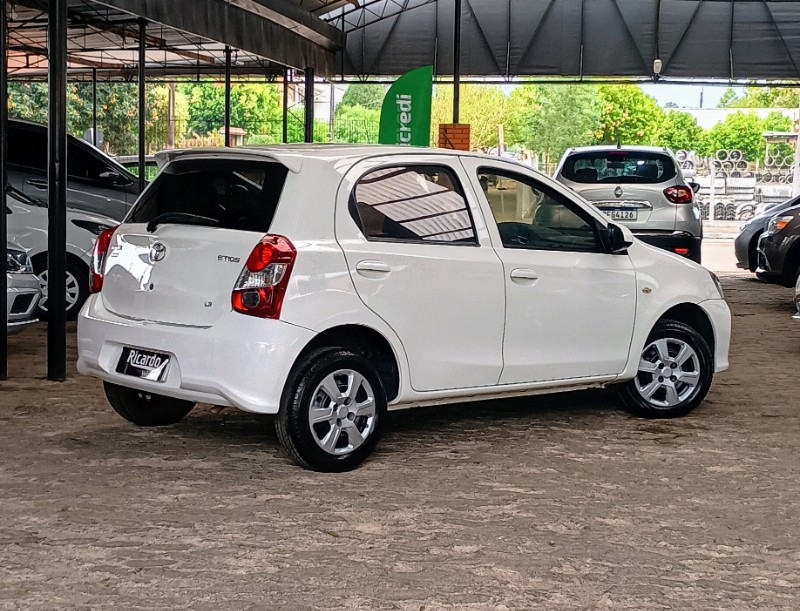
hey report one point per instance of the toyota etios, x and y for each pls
(325, 283)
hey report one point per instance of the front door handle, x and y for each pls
(372, 269)
(39, 183)
(524, 276)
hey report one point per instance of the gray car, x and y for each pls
(779, 248)
(642, 187)
(22, 290)
(746, 244)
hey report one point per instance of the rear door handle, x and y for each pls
(372, 269)
(39, 183)
(524, 276)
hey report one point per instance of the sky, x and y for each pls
(687, 96)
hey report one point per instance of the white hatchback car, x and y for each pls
(323, 283)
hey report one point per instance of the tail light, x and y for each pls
(262, 284)
(679, 195)
(99, 252)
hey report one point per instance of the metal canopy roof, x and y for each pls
(183, 36)
(706, 39)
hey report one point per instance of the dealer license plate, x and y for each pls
(622, 215)
(143, 364)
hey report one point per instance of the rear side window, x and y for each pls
(412, 204)
(239, 194)
(619, 166)
(28, 148)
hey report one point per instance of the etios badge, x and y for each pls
(157, 252)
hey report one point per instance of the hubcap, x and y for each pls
(73, 290)
(342, 412)
(669, 373)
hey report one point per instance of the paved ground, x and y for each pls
(558, 502)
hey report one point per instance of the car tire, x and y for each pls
(145, 408)
(679, 350)
(752, 252)
(77, 286)
(332, 412)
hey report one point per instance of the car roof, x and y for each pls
(292, 155)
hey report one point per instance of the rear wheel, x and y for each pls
(333, 411)
(145, 408)
(675, 372)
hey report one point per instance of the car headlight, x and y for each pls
(718, 284)
(777, 223)
(91, 226)
(18, 262)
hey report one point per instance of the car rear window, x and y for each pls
(619, 166)
(239, 194)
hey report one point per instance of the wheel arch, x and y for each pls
(368, 342)
(694, 316)
(42, 257)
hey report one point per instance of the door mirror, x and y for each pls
(108, 175)
(618, 239)
(694, 187)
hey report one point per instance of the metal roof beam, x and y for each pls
(234, 26)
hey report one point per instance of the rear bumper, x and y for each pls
(674, 242)
(240, 362)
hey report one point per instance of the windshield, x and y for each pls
(619, 166)
(236, 193)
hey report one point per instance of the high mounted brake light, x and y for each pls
(99, 252)
(261, 285)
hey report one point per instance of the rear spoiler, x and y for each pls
(292, 162)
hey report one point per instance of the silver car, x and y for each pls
(642, 187)
(22, 290)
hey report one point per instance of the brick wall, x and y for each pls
(454, 137)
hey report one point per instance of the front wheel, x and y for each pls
(675, 372)
(145, 408)
(333, 411)
(77, 286)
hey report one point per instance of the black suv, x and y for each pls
(779, 248)
(95, 182)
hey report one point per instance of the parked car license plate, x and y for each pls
(622, 215)
(143, 364)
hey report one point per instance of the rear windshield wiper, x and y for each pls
(183, 218)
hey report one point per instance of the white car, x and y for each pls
(323, 283)
(27, 227)
(22, 290)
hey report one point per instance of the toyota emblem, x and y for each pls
(157, 252)
(618, 191)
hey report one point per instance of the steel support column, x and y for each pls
(142, 103)
(286, 77)
(457, 62)
(227, 96)
(309, 105)
(3, 183)
(94, 106)
(57, 191)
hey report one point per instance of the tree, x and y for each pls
(255, 107)
(559, 117)
(628, 116)
(681, 131)
(356, 124)
(366, 96)
(742, 131)
(728, 99)
(518, 107)
(767, 97)
(481, 107)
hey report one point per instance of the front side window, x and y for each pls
(412, 204)
(531, 216)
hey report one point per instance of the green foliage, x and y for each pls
(366, 96)
(764, 97)
(728, 99)
(560, 116)
(255, 107)
(356, 124)
(742, 131)
(481, 106)
(518, 108)
(680, 131)
(628, 116)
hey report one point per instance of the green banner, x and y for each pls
(406, 110)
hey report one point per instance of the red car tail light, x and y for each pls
(99, 252)
(261, 285)
(679, 195)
